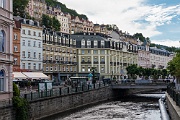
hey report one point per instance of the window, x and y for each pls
(15, 61)
(34, 54)
(23, 32)
(102, 69)
(2, 41)
(83, 69)
(82, 51)
(29, 43)
(89, 51)
(95, 43)
(2, 80)
(34, 33)
(39, 66)
(39, 34)
(23, 54)
(29, 65)
(95, 51)
(88, 44)
(83, 59)
(102, 51)
(23, 43)
(39, 55)
(47, 68)
(15, 49)
(102, 43)
(29, 54)
(3, 3)
(51, 68)
(29, 32)
(23, 66)
(83, 43)
(39, 45)
(102, 59)
(34, 66)
(15, 36)
(89, 69)
(34, 44)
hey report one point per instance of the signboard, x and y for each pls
(48, 86)
(42, 87)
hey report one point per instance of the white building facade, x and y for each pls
(6, 51)
(31, 46)
(159, 58)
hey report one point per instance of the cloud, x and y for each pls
(129, 15)
(167, 42)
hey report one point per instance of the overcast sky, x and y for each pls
(157, 19)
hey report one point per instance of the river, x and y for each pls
(138, 107)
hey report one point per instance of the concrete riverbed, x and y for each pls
(138, 107)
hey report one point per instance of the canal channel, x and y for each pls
(137, 107)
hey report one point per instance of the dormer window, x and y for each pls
(83, 43)
(102, 43)
(95, 44)
(88, 44)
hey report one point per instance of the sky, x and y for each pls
(157, 19)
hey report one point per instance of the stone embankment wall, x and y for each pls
(49, 106)
(6, 113)
(173, 109)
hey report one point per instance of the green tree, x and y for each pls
(164, 73)
(132, 71)
(19, 7)
(56, 24)
(16, 91)
(50, 22)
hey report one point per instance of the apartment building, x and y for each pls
(36, 8)
(64, 21)
(109, 56)
(16, 44)
(101, 29)
(76, 25)
(59, 55)
(144, 54)
(88, 26)
(159, 58)
(31, 46)
(6, 51)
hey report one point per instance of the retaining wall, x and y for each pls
(173, 109)
(49, 106)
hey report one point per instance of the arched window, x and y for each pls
(2, 80)
(2, 41)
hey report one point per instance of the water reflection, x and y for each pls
(139, 107)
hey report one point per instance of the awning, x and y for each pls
(35, 75)
(19, 75)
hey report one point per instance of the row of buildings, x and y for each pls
(60, 55)
(69, 24)
(25, 46)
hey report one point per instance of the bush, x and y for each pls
(21, 107)
(16, 91)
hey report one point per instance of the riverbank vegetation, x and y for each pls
(134, 71)
(20, 105)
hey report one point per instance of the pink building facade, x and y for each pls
(6, 53)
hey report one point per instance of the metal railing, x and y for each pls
(174, 94)
(61, 91)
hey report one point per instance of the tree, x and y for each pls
(174, 66)
(56, 24)
(132, 71)
(19, 7)
(50, 22)
(164, 73)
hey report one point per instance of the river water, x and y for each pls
(138, 107)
